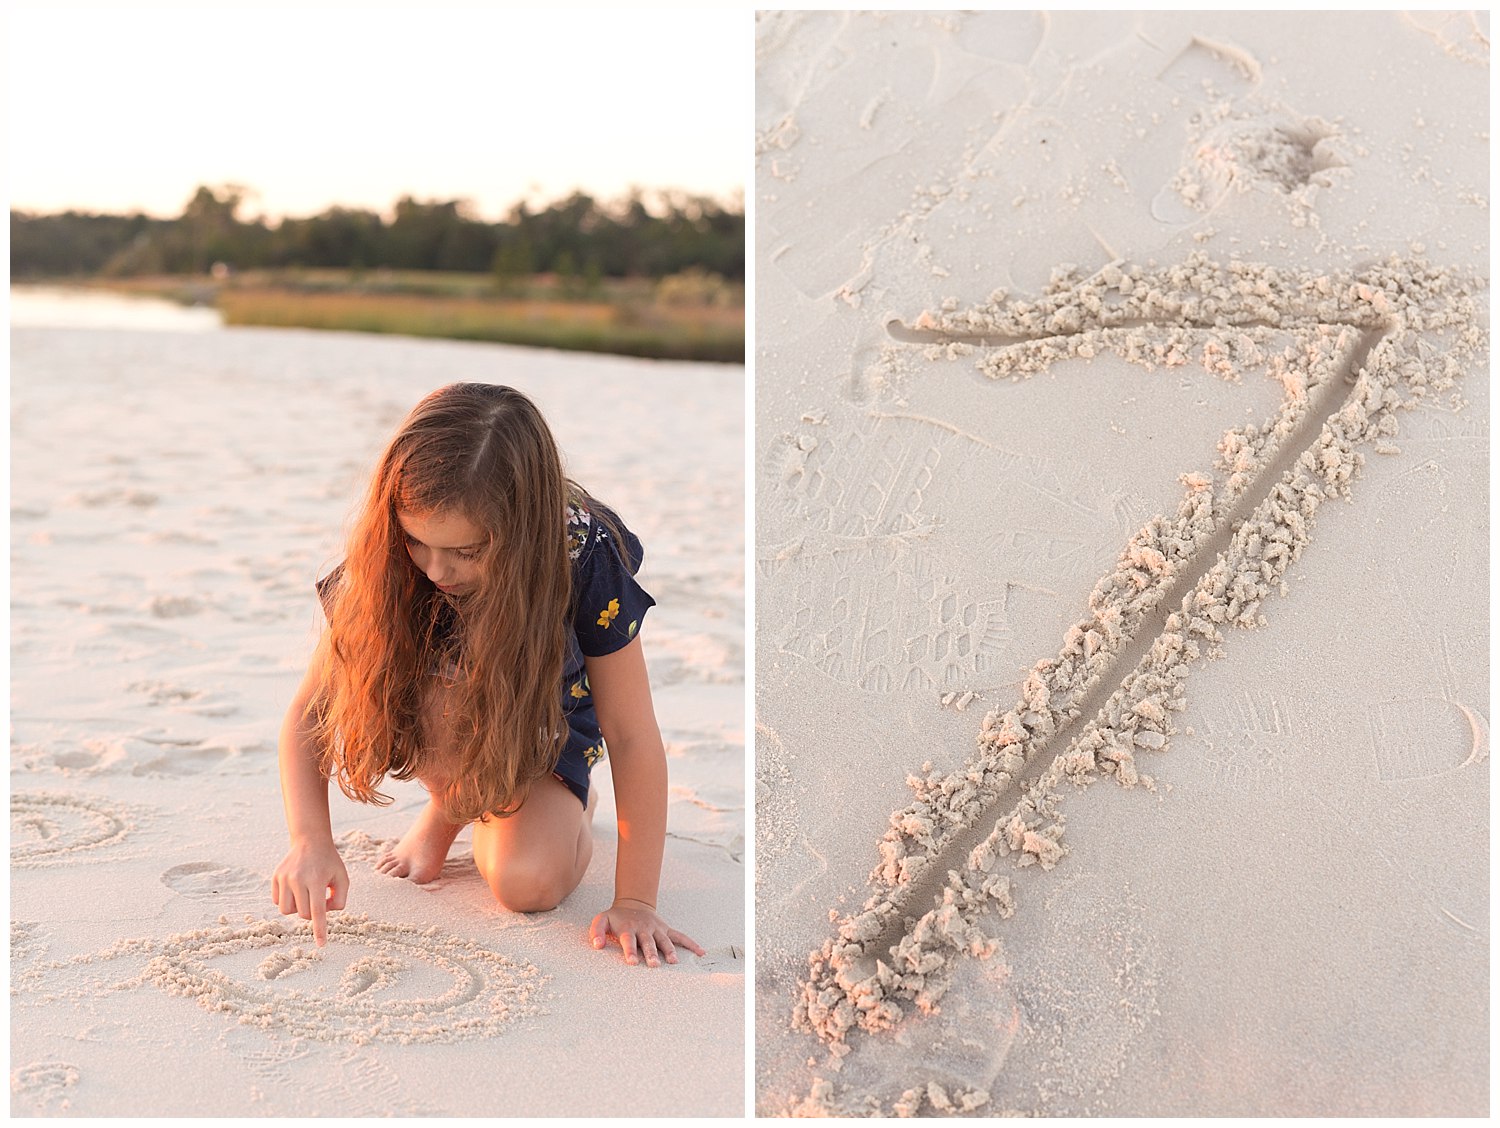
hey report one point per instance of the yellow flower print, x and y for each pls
(593, 754)
(577, 690)
(607, 616)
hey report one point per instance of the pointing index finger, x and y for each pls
(320, 916)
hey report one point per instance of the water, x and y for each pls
(62, 307)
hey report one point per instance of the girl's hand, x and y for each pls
(310, 881)
(642, 934)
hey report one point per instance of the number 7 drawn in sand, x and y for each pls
(1367, 350)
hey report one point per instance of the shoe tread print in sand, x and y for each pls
(1368, 343)
(880, 615)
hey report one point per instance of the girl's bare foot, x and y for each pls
(423, 849)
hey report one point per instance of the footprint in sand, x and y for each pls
(208, 880)
(163, 692)
(699, 749)
(101, 499)
(176, 606)
(373, 982)
(142, 756)
(42, 1087)
(357, 1084)
(1418, 737)
(177, 536)
(94, 757)
(185, 760)
(1238, 143)
(887, 619)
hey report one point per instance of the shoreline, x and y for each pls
(630, 326)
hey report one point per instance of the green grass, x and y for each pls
(629, 317)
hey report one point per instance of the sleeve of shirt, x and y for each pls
(609, 604)
(328, 588)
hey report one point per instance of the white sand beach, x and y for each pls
(1121, 462)
(175, 495)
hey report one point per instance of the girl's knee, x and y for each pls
(527, 885)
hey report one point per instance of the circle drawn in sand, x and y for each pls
(213, 879)
(47, 827)
(481, 991)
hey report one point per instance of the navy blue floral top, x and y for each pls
(608, 606)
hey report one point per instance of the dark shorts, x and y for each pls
(573, 770)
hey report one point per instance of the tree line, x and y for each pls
(576, 236)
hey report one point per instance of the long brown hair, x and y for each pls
(483, 452)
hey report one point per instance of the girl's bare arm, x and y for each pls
(311, 879)
(638, 764)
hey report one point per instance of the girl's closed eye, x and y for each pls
(466, 554)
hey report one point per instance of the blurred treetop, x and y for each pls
(574, 236)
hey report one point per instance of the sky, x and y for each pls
(131, 108)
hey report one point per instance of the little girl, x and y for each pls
(484, 638)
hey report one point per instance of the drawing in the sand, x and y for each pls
(384, 982)
(1350, 350)
(49, 828)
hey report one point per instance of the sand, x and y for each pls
(176, 492)
(1070, 329)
